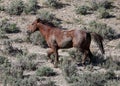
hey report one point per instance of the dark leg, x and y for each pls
(90, 56)
(50, 51)
(90, 60)
(56, 58)
(85, 55)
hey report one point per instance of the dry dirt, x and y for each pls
(66, 14)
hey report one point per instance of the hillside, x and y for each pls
(23, 58)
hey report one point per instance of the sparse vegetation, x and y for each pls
(53, 3)
(102, 29)
(110, 64)
(45, 15)
(45, 71)
(31, 7)
(6, 27)
(16, 7)
(2, 8)
(83, 10)
(69, 71)
(100, 3)
(10, 50)
(23, 64)
(103, 13)
(26, 62)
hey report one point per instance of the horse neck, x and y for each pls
(44, 29)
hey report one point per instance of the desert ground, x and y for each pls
(23, 61)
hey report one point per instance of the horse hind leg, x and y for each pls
(85, 55)
(90, 57)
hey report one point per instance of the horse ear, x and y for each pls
(38, 20)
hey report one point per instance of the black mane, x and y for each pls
(46, 22)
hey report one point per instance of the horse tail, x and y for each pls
(99, 41)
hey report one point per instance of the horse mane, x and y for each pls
(46, 22)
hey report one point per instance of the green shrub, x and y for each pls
(76, 55)
(90, 79)
(82, 10)
(45, 71)
(31, 7)
(10, 50)
(45, 15)
(6, 27)
(106, 4)
(53, 3)
(2, 8)
(110, 64)
(16, 7)
(69, 71)
(2, 60)
(103, 13)
(37, 39)
(102, 29)
(26, 61)
(96, 4)
(110, 75)
(30, 81)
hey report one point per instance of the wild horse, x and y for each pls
(61, 39)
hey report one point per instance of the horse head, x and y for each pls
(33, 27)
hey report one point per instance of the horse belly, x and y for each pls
(66, 43)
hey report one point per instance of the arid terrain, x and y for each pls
(23, 59)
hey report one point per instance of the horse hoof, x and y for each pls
(51, 61)
(55, 66)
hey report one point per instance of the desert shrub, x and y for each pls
(30, 81)
(102, 29)
(107, 63)
(45, 71)
(2, 59)
(69, 71)
(27, 61)
(110, 75)
(90, 79)
(82, 10)
(76, 55)
(6, 27)
(53, 3)
(45, 15)
(103, 13)
(2, 8)
(106, 4)
(19, 40)
(110, 64)
(31, 7)
(16, 7)
(95, 4)
(37, 39)
(9, 49)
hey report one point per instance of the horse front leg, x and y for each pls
(49, 53)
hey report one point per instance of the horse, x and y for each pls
(57, 38)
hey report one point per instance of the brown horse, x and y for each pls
(61, 39)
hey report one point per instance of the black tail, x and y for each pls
(98, 39)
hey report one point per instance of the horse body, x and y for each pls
(61, 39)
